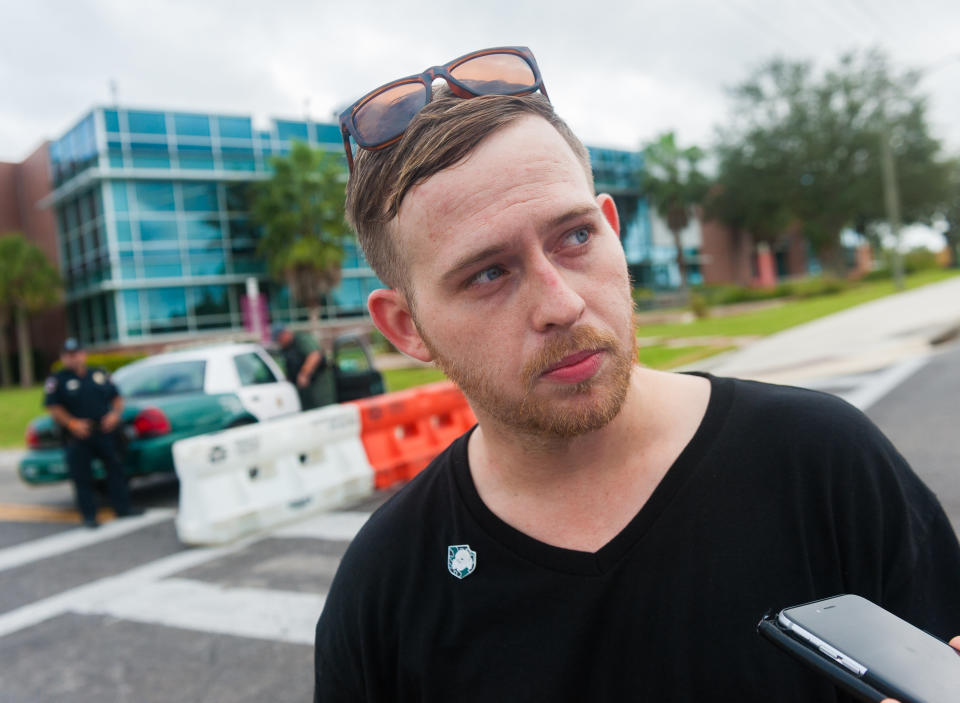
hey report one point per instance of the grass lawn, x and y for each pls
(658, 356)
(791, 313)
(17, 407)
(400, 379)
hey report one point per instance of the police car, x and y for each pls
(168, 397)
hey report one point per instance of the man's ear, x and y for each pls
(391, 314)
(609, 210)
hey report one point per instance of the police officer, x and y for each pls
(88, 406)
(304, 362)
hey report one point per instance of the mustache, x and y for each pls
(556, 349)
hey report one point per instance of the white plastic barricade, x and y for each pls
(250, 478)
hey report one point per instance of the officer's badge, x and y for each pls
(99, 377)
(461, 560)
(73, 384)
(50, 385)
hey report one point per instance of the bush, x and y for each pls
(699, 305)
(817, 286)
(920, 259)
(643, 298)
(109, 361)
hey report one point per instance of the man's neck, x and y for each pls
(579, 493)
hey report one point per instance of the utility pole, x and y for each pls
(891, 199)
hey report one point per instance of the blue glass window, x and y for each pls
(328, 134)
(235, 127)
(124, 231)
(349, 294)
(195, 156)
(149, 155)
(131, 305)
(115, 153)
(158, 230)
(203, 230)
(199, 196)
(128, 266)
(238, 159)
(165, 305)
(191, 125)
(209, 300)
(291, 130)
(112, 120)
(146, 122)
(207, 263)
(242, 229)
(155, 196)
(238, 197)
(119, 190)
(162, 264)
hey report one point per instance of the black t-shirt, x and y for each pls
(88, 397)
(782, 496)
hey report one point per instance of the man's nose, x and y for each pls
(554, 301)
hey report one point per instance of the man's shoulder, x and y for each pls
(780, 405)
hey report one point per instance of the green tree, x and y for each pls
(673, 183)
(804, 149)
(28, 283)
(301, 209)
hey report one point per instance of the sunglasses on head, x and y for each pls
(380, 117)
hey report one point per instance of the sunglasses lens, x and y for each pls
(495, 74)
(386, 115)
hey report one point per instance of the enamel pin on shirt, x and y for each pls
(461, 560)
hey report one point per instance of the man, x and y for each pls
(304, 363)
(606, 532)
(87, 405)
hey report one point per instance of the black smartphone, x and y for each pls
(867, 650)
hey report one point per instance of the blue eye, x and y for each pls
(488, 275)
(580, 236)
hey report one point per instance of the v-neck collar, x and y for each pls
(600, 562)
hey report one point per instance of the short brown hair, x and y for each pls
(440, 136)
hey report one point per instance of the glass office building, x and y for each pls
(155, 234)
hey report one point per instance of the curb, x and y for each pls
(949, 333)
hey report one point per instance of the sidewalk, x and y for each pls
(859, 339)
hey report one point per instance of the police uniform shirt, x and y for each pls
(295, 355)
(88, 397)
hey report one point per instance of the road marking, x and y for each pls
(281, 616)
(113, 587)
(337, 526)
(68, 541)
(865, 395)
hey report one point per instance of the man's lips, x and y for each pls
(575, 367)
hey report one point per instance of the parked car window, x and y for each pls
(351, 357)
(160, 379)
(253, 370)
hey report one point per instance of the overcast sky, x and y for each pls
(619, 72)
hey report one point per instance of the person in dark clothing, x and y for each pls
(606, 531)
(304, 362)
(88, 406)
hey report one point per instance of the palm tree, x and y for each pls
(674, 185)
(28, 283)
(301, 209)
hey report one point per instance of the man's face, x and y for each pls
(520, 284)
(284, 338)
(75, 361)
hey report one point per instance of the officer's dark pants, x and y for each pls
(80, 454)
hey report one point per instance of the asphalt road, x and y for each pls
(127, 613)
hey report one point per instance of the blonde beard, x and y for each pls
(545, 417)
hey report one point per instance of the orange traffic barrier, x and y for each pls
(403, 431)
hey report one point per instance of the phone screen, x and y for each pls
(877, 646)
